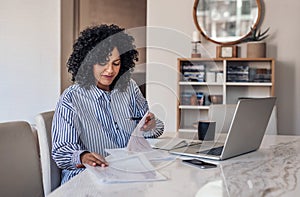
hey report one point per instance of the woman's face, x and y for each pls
(105, 74)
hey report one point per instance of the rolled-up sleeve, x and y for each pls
(157, 131)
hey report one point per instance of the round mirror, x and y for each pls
(226, 21)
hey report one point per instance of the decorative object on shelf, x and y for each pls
(210, 77)
(220, 77)
(237, 73)
(256, 48)
(194, 100)
(193, 72)
(200, 98)
(260, 75)
(226, 51)
(215, 99)
(196, 45)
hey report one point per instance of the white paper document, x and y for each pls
(153, 155)
(134, 168)
(172, 143)
(132, 164)
(137, 142)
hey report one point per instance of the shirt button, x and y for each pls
(116, 126)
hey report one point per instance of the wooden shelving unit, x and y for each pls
(230, 78)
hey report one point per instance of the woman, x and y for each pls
(94, 113)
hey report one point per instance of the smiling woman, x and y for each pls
(226, 22)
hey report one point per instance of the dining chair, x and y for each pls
(20, 171)
(50, 172)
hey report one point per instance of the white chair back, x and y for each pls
(51, 173)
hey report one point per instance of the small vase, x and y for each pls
(194, 100)
(256, 49)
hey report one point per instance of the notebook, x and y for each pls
(245, 133)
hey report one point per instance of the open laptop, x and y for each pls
(245, 133)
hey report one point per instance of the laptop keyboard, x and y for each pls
(214, 151)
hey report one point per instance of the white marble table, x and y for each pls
(273, 170)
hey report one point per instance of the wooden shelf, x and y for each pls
(193, 107)
(199, 83)
(231, 91)
(268, 84)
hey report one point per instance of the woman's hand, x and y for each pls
(92, 159)
(149, 122)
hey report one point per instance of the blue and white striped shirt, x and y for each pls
(94, 120)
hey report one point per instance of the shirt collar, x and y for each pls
(98, 93)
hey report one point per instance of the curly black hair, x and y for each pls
(94, 46)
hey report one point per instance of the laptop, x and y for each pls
(245, 134)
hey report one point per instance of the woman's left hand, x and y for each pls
(150, 122)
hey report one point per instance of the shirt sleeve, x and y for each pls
(142, 105)
(157, 131)
(66, 146)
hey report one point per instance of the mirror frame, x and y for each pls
(231, 42)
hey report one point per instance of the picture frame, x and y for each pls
(226, 51)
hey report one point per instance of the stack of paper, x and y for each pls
(173, 143)
(131, 164)
(137, 142)
(134, 168)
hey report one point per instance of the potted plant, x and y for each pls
(256, 47)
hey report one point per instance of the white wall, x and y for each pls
(30, 58)
(284, 46)
(169, 26)
(164, 48)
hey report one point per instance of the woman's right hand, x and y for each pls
(92, 159)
